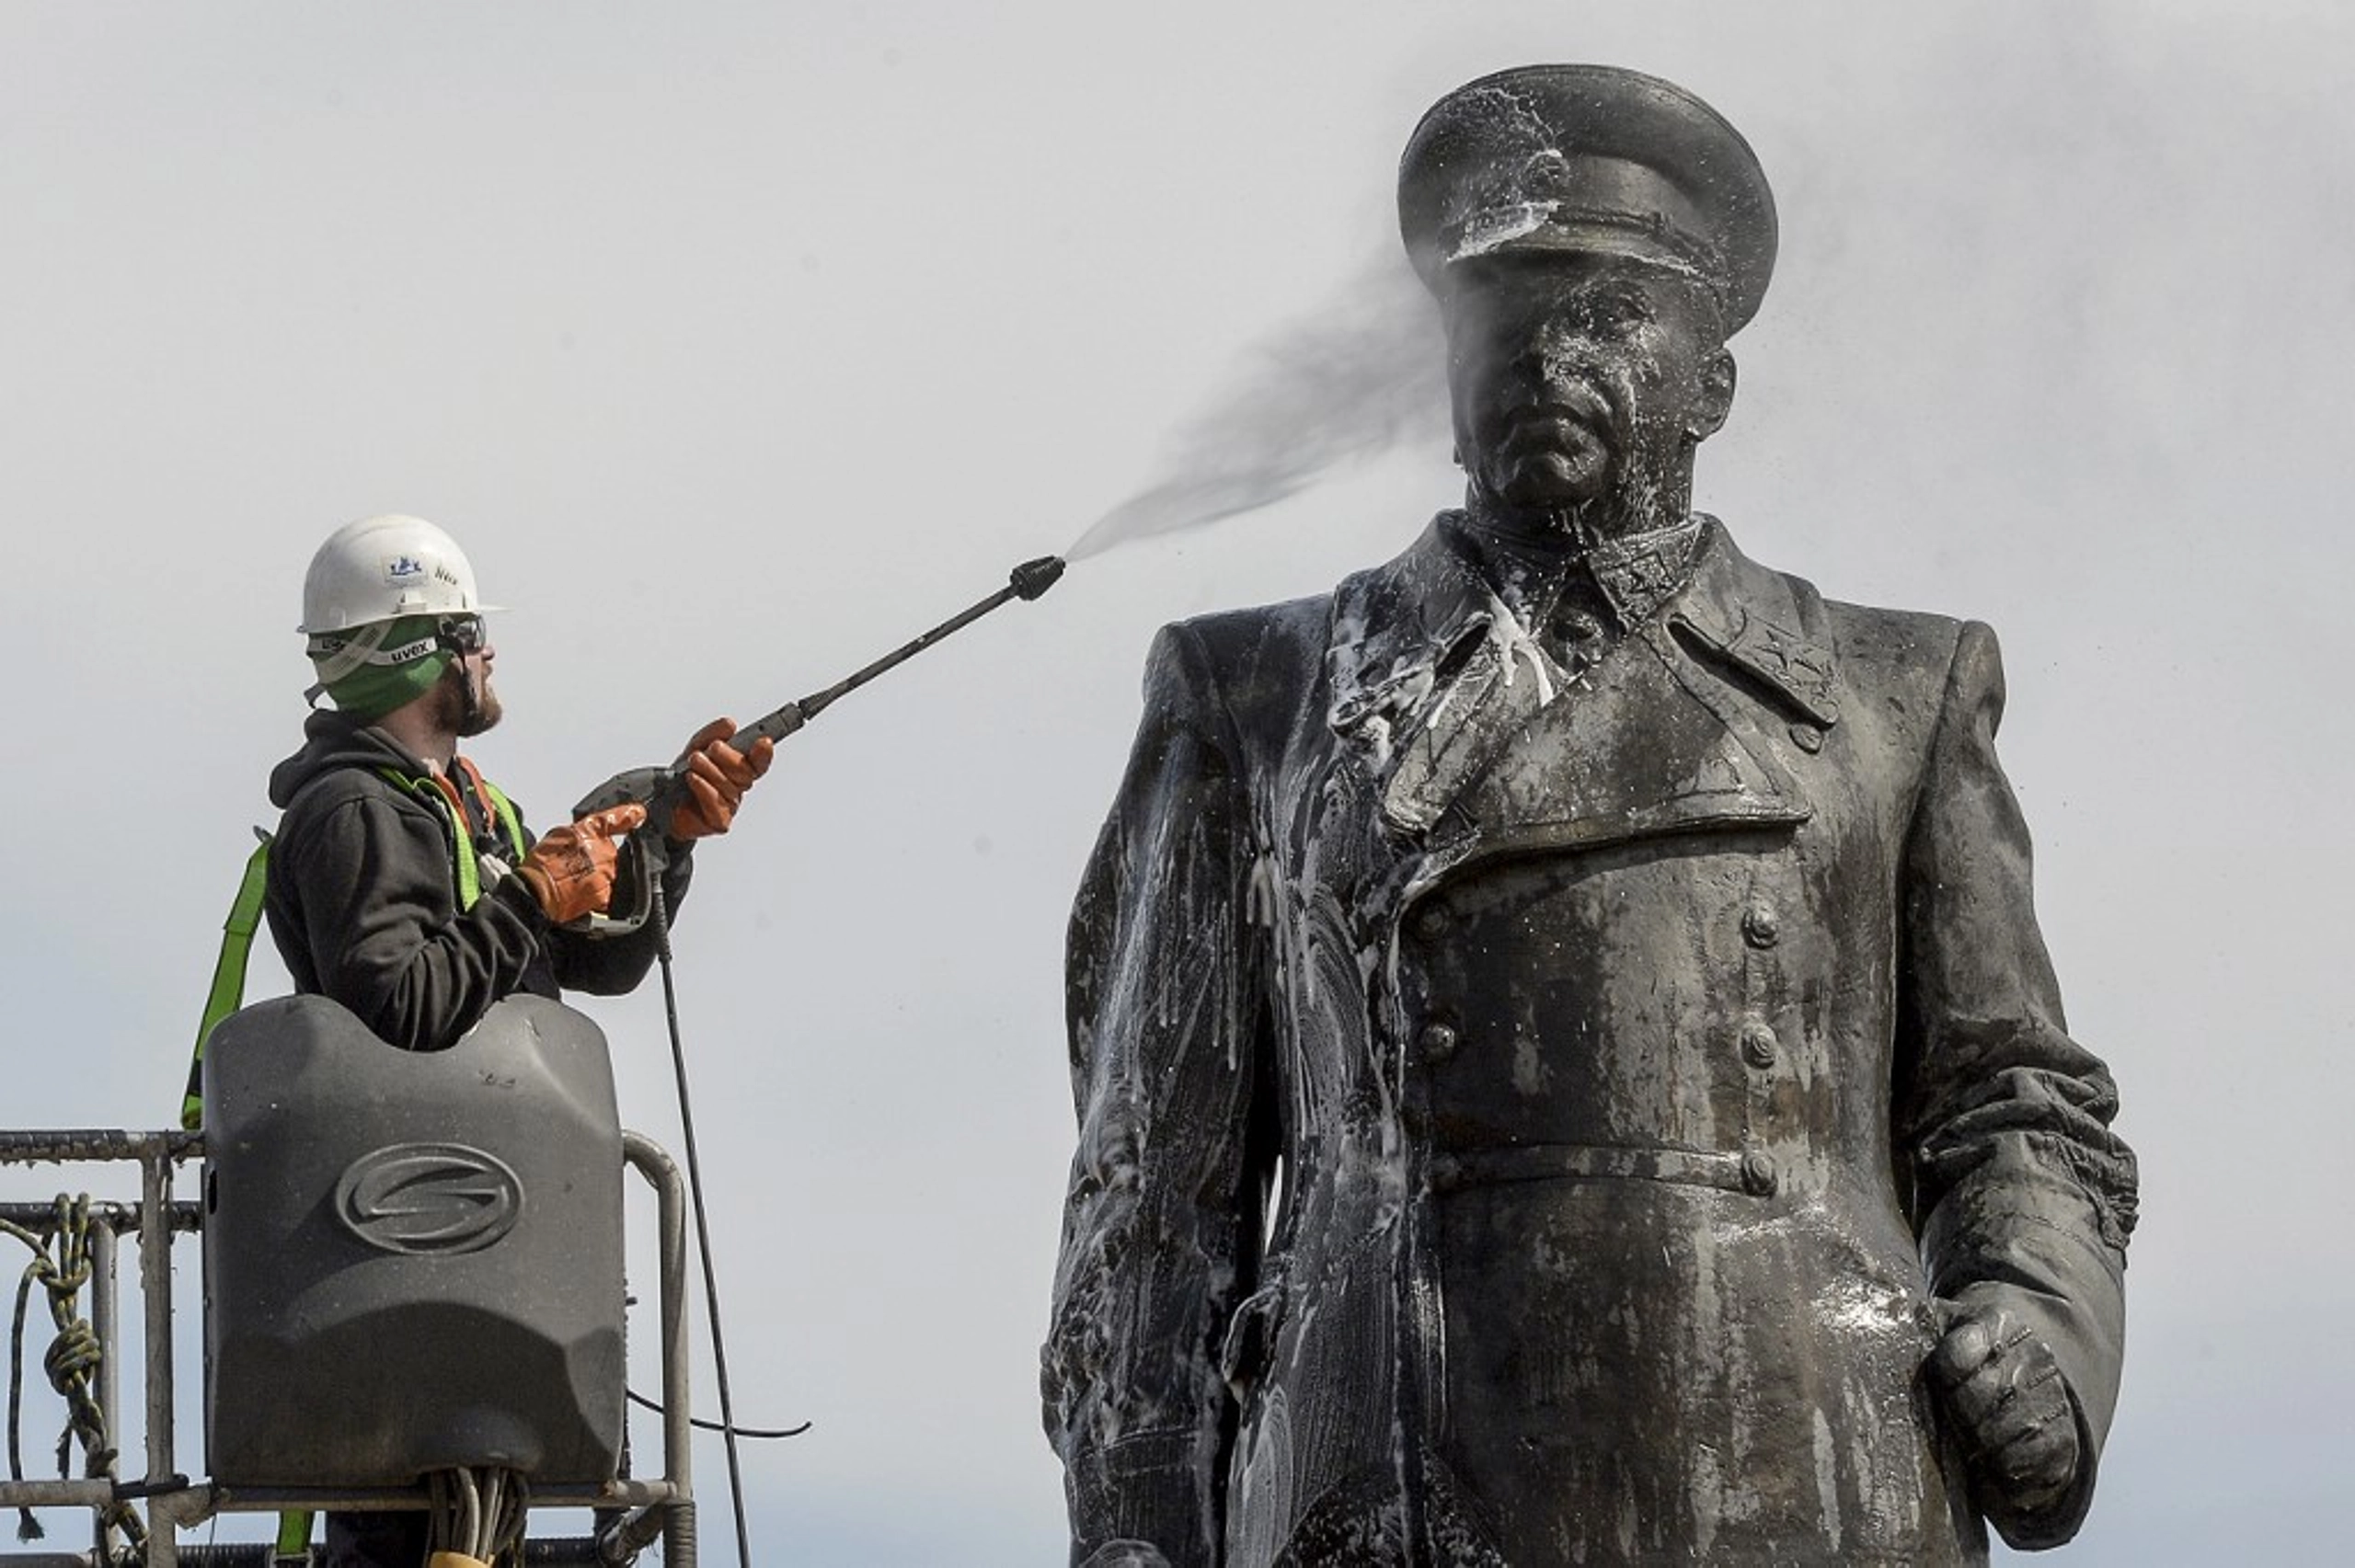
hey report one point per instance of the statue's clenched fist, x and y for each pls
(2008, 1404)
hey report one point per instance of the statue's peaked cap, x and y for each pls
(1588, 158)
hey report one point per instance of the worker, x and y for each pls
(403, 884)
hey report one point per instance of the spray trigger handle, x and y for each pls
(643, 856)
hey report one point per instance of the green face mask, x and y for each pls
(372, 669)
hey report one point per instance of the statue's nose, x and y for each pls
(1558, 359)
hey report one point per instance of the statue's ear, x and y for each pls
(1716, 401)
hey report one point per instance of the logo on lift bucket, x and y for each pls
(428, 1198)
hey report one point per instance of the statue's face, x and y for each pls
(1578, 378)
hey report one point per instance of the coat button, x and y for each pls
(1759, 1177)
(1758, 1045)
(1807, 737)
(1439, 1040)
(1432, 921)
(1761, 927)
(1580, 626)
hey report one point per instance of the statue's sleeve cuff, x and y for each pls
(1151, 1491)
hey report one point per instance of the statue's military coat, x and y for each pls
(1534, 1120)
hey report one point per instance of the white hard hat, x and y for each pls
(380, 567)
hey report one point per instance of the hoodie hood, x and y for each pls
(335, 740)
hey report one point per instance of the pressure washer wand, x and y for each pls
(661, 790)
(1026, 581)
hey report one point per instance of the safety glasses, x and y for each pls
(464, 635)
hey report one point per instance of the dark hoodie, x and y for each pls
(363, 905)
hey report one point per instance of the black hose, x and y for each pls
(660, 915)
(700, 1425)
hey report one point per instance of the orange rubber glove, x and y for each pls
(570, 869)
(717, 777)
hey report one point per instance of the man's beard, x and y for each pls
(457, 710)
(487, 713)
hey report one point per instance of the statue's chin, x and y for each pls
(1553, 481)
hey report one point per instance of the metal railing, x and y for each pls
(632, 1512)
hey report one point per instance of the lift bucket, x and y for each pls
(412, 1260)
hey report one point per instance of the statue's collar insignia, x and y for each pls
(1775, 638)
(1640, 574)
(1636, 575)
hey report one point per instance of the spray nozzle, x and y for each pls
(1032, 578)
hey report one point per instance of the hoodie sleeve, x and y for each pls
(362, 910)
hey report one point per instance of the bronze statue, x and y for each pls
(1567, 1068)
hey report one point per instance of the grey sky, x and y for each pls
(739, 342)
